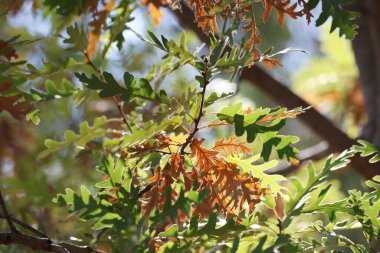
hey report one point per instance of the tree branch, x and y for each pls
(198, 119)
(43, 244)
(40, 242)
(6, 214)
(26, 226)
(320, 124)
(146, 189)
(114, 99)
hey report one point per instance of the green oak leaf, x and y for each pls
(133, 89)
(267, 180)
(342, 19)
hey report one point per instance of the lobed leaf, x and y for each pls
(267, 180)
(150, 129)
(86, 134)
(342, 19)
(213, 97)
(84, 202)
(54, 91)
(298, 201)
(368, 149)
(265, 123)
(78, 38)
(232, 147)
(117, 175)
(133, 89)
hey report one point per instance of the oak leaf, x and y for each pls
(99, 20)
(232, 147)
(16, 105)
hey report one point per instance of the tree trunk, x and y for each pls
(367, 53)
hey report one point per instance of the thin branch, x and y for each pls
(40, 242)
(114, 99)
(91, 63)
(25, 226)
(279, 225)
(198, 119)
(99, 235)
(122, 113)
(146, 189)
(43, 244)
(6, 214)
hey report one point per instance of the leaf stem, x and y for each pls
(206, 81)
(118, 104)
(6, 214)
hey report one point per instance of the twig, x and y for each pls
(198, 119)
(122, 113)
(279, 225)
(25, 226)
(6, 214)
(146, 189)
(43, 244)
(89, 61)
(98, 235)
(117, 103)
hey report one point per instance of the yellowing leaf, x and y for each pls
(155, 13)
(92, 42)
(175, 140)
(258, 171)
(98, 21)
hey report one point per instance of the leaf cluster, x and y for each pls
(160, 185)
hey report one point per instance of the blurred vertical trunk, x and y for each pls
(367, 53)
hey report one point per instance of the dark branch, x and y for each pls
(6, 214)
(146, 189)
(198, 119)
(26, 226)
(122, 113)
(43, 244)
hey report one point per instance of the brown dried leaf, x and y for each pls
(99, 20)
(14, 104)
(232, 147)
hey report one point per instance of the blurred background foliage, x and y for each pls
(330, 82)
(327, 78)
